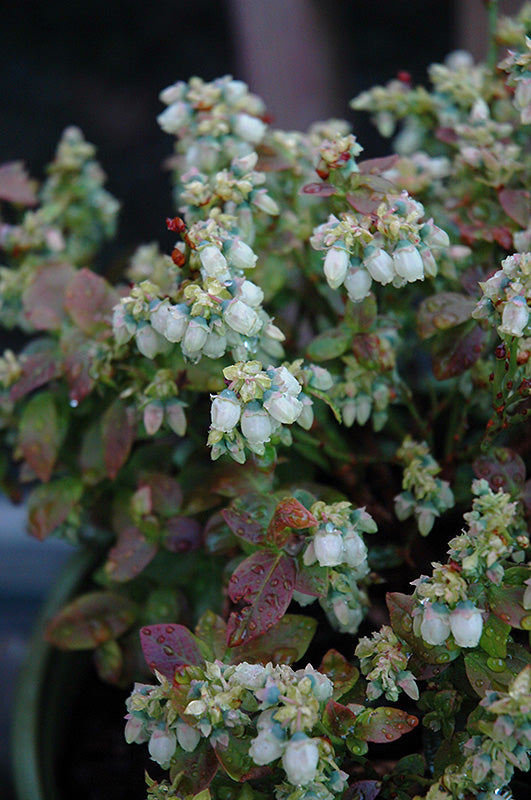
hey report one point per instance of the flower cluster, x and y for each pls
(260, 403)
(393, 246)
(506, 295)
(283, 709)
(425, 496)
(383, 661)
(518, 65)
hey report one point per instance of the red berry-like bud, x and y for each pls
(176, 225)
(178, 258)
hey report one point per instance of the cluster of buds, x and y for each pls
(383, 661)
(338, 154)
(255, 408)
(518, 65)
(159, 404)
(425, 496)
(283, 708)
(500, 746)
(505, 297)
(496, 532)
(394, 245)
(213, 122)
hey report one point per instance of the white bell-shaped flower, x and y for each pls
(242, 318)
(358, 284)
(162, 746)
(435, 625)
(407, 262)
(354, 549)
(256, 424)
(195, 336)
(250, 129)
(187, 736)
(379, 265)
(286, 382)
(515, 316)
(176, 323)
(225, 411)
(335, 266)
(266, 747)
(241, 256)
(300, 759)
(466, 624)
(214, 263)
(328, 548)
(251, 294)
(283, 407)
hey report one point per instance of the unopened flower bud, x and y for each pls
(328, 548)
(251, 294)
(265, 748)
(265, 203)
(173, 117)
(283, 407)
(175, 417)
(250, 129)
(335, 266)
(215, 345)
(214, 263)
(354, 549)
(515, 317)
(162, 746)
(466, 624)
(196, 335)
(148, 341)
(379, 265)
(241, 256)
(358, 284)
(407, 262)
(242, 318)
(225, 411)
(256, 424)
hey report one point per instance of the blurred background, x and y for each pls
(101, 66)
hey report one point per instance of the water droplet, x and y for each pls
(407, 624)
(496, 664)
(252, 626)
(489, 632)
(146, 631)
(170, 628)
(388, 712)
(161, 639)
(479, 683)
(73, 402)
(412, 721)
(274, 582)
(443, 657)
(389, 736)
(257, 569)
(505, 617)
(168, 650)
(288, 585)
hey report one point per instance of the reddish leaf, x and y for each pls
(376, 165)
(443, 310)
(284, 643)
(383, 724)
(90, 301)
(264, 582)
(43, 300)
(338, 719)
(130, 555)
(364, 203)
(244, 526)
(363, 790)
(91, 620)
(166, 493)
(289, 513)
(456, 350)
(167, 647)
(312, 580)
(50, 505)
(319, 189)
(183, 535)
(517, 205)
(504, 469)
(507, 603)
(340, 671)
(40, 434)
(15, 185)
(197, 768)
(118, 432)
(37, 370)
(78, 357)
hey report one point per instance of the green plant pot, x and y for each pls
(48, 680)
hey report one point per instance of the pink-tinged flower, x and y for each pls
(435, 625)
(195, 336)
(466, 624)
(162, 746)
(300, 759)
(336, 266)
(408, 262)
(380, 266)
(225, 411)
(355, 551)
(515, 317)
(148, 341)
(256, 424)
(134, 730)
(187, 736)
(175, 417)
(153, 417)
(358, 284)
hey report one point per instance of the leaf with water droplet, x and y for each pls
(443, 310)
(312, 580)
(341, 672)
(364, 790)
(502, 468)
(49, 505)
(401, 612)
(197, 768)
(494, 636)
(211, 633)
(383, 724)
(506, 602)
(338, 720)
(91, 620)
(40, 434)
(236, 761)
(455, 350)
(289, 513)
(286, 642)
(167, 646)
(130, 555)
(264, 579)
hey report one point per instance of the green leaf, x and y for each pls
(487, 673)
(284, 643)
(494, 637)
(330, 344)
(341, 672)
(91, 620)
(236, 761)
(442, 311)
(50, 505)
(211, 633)
(41, 434)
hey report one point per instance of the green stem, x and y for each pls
(492, 11)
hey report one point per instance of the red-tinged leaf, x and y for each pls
(517, 205)
(446, 135)
(78, 358)
(372, 166)
(91, 620)
(338, 719)
(454, 351)
(442, 311)
(166, 493)
(167, 647)
(289, 513)
(503, 469)
(40, 434)
(364, 202)
(15, 185)
(312, 580)
(91, 461)
(363, 790)
(507, 603)
(197, 768)
(37, 370)
(49, 505)
(244, 526)
(264, 583)
(183, 535)
(130, 555)
(341, 672)
(108, 660)
(401, 613)
(383, 724)
(284, 643)
(90, 301)
(211, 633)
(319, 189)
(43, 300)
(118, 432)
